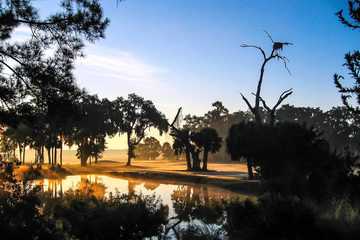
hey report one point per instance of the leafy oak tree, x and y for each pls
(138, 116)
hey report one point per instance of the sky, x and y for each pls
(187, 52)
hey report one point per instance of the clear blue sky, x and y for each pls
(187, 52)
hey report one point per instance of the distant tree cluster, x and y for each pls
(89, 122)
(151, 149)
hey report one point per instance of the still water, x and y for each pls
(168, 192)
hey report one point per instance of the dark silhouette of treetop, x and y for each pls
(352, 61)
(354, 12)
(208, 140)
(63, 33)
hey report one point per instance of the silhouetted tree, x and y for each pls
(277, 47)
(291, 159)
(235, 147)
(208, 140)
(182, 144)
(352, 60)
(22, 136)
(91, 128)
(63, 31)
(138, 116)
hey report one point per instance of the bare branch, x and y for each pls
(282, 97)
(12, 57)
(176, 117)
(269, 36)
(38, 23)
(285, 61)
(247, 103)
(263, 102)
(254, 46)
(18, 75)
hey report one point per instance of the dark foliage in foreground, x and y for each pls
(20, 217)
(292, 159)
(116, 218)
(285, 218)
(26, 214)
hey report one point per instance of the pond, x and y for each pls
(167, 191)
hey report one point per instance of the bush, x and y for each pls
(118, 217)
(20, 216)
(291, 159)
(276, 217)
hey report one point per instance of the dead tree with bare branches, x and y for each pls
(272, 111)
(275, 54)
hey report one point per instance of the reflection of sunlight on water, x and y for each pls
(102, 186)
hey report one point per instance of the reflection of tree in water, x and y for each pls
(132, 183)
(91, 187)
(194, 202)
(151, 186)
(54, 188)
(199, 212)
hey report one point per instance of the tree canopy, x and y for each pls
(138, 116)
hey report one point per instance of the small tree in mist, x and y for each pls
(167, 151)
(150, 149)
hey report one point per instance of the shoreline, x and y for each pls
(235, 180)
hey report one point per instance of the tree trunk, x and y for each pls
(130, 149)
(196, 160)
(272, 118)
(20, 153)
(129, 156)
(83, 160)
(36, 156)
(205, 160)
(52, 155)
(55, 155)
(24, 154)
(257, 96)
(61, 153)
(49, 155)
(188, 160)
